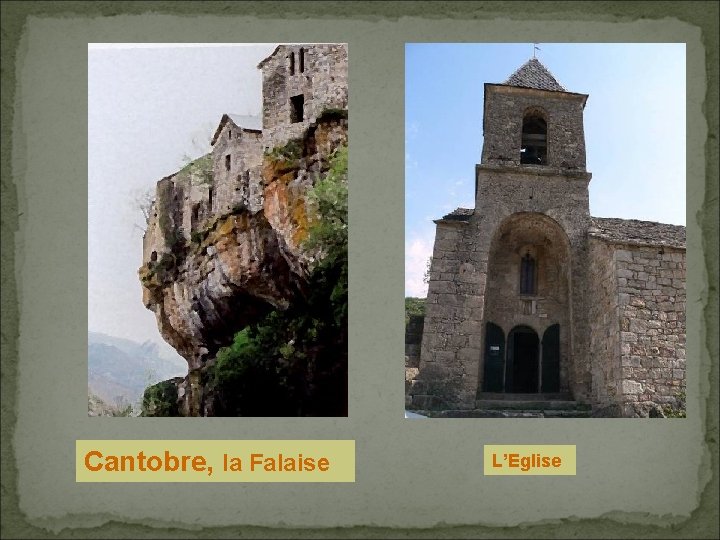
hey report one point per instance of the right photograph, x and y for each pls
(545, 230)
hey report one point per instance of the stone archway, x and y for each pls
(528, 294)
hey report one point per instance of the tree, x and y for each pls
(143, 200)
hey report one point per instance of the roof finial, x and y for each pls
(535, 48)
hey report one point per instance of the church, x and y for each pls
(534, 307)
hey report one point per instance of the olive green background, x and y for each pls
(636, 478)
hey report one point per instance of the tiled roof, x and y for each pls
(633, 231)
(459, 214)
(532, 74)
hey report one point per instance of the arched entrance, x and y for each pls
(522, 368)
(521, 364)
(527, 297)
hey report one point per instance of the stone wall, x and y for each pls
(442, 381)
(413, 338)
(237, 162)
(651, 298)
(322, 83)
(505, 306)
(604, 329)
(165, 224)
(638, 328)
(451, 364)
(505, 107)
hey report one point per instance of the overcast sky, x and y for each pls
(634, 129)
(149, 106)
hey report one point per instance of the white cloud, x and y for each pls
(417, 252)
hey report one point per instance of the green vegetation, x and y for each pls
(677, 411)
(294, 362)
(200, 170)
(160, 400)
(414, 306)
(291, 151)
(197, 237)
(98, 407)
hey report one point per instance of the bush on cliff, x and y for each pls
(294, 362)
(160, 400)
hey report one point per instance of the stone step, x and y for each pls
(557, 396)
(530, 405)
(508, 413)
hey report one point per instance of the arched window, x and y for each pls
(533, 150)
(527, 274)
(292, 63)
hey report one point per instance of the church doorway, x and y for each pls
(522, 368)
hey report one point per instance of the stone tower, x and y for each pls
(505, 310)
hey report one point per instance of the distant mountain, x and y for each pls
(120, 369)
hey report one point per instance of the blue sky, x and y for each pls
(634, 129)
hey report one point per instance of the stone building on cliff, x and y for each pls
(224, 242)
(533, 303)
(301, 83)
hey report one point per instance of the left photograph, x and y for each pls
(217, 229)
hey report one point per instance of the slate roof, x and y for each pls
(532, 74)
(636, 232)
(244, 122)
(459, 214)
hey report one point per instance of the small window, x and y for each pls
(227, 162)
(533, 150)
(210, 197)
(229, 133)
(301, 58)
(153, 256)
(292, 63)
(527, 275)
(297, 104)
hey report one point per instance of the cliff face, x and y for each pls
(210, 271)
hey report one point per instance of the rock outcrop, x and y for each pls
(228, 269)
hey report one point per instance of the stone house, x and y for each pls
(531, 298)
(299, 82)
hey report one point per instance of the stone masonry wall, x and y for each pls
(413, 338)
(451, 354)
(604, 329)
(504, 110)
(237, 180)
(322, 83)
(545, 241)
(651, 296)
(441, 381)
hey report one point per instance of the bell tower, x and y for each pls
(506, 311)
(530, 119)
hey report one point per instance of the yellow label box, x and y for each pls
(529, 459)
(215, 461)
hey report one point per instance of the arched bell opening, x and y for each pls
(533, 149)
